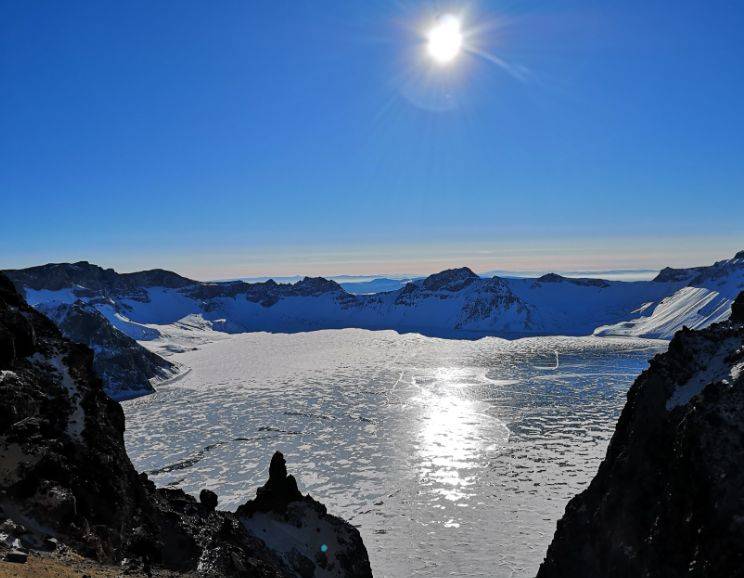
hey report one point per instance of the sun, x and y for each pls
(444, 40)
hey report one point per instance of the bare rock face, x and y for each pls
(65, 475)
(668, 499)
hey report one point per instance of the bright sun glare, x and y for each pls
(445, 39)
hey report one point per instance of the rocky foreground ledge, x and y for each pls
(72, 503)
(668, 499)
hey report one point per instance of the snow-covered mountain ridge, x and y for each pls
(453, 303)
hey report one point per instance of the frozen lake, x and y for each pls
(454, 458)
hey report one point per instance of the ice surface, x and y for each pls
(454, 458)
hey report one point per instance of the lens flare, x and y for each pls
(444, 40)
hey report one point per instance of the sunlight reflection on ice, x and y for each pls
(451, 428)
(452, 457)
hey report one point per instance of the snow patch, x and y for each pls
(717, 370)
(76, 421)
(304, 538)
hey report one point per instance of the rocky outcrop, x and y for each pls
(126, 368)
(65, 476)
(312, 542)
(62, 459)
(668, 498)
(278, 492)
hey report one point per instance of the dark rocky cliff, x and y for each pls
(668, 500)
(62, 457)
(124, 365)
(65, 474)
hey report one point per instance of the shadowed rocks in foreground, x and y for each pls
(668, 500)
(65, 479)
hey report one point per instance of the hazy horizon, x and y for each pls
(632, 263)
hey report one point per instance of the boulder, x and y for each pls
(208, 499)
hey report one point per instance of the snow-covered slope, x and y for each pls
(705, 297)
(578, 306)
(453, 303)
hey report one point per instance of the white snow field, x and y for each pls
(454, 457)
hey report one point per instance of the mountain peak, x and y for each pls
(450, 279)
(551, 278)
(316, 286)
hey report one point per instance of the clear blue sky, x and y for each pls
(243, 138)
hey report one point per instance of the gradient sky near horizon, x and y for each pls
(272, 138)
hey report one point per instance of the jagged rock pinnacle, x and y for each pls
(277, 468)
(276, 493)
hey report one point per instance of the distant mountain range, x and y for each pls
(363, 284)
(455, 303)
